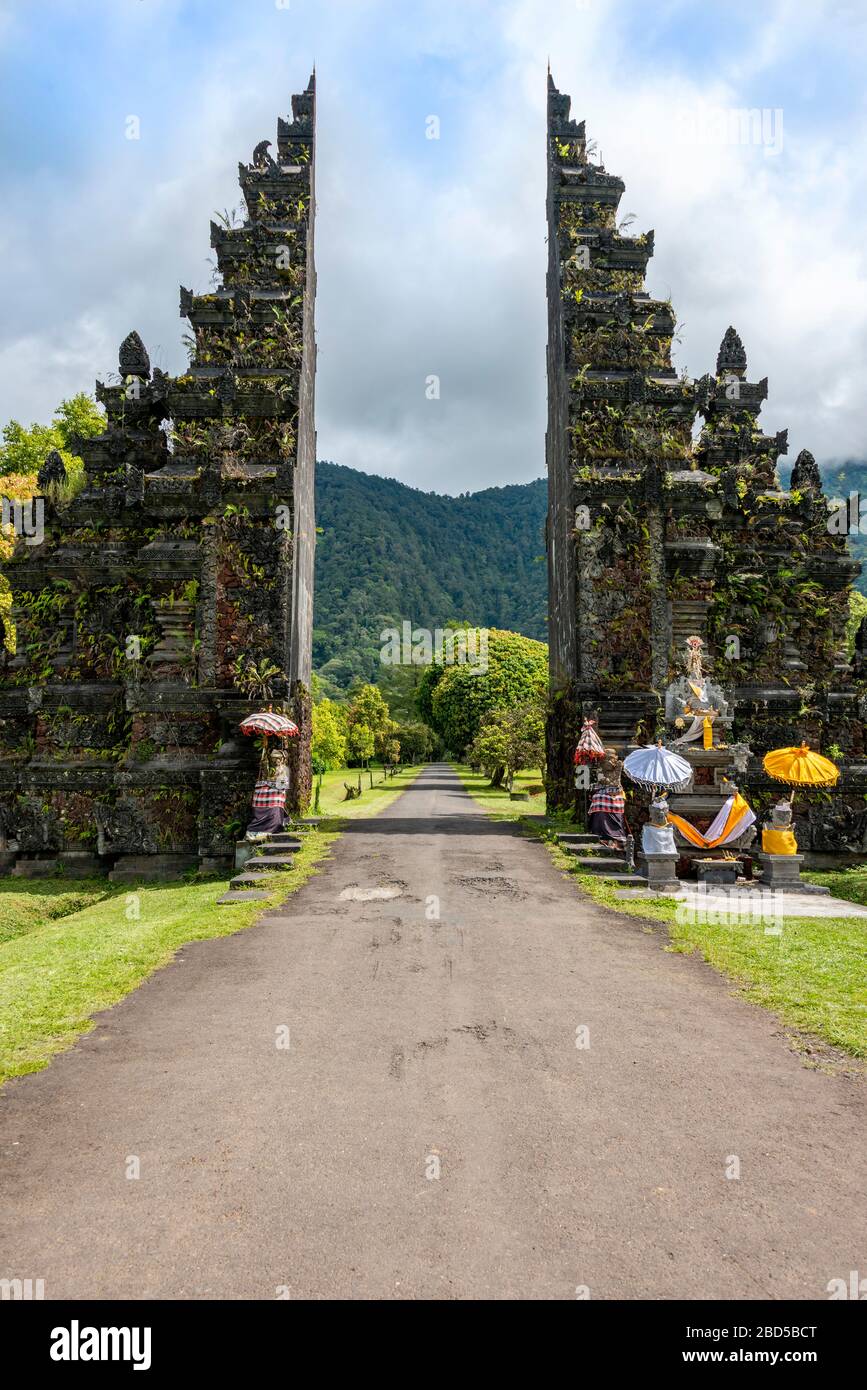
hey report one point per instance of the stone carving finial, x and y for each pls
(133, 359)
(53, 470)
(732, 355)
(805, 474)
(261, 158)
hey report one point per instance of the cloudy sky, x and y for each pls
(431, 253)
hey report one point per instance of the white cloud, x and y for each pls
(431, 254)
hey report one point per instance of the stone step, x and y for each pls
(278, 844)
(593, 849)
(704, 802)
(593, 865)
(578, 839)
(247, 895)
(260, 864)
(242, 881)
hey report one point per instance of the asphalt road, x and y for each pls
(432, 1130)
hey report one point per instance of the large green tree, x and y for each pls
(509, 740)
(454, 699)
(857, 614)
(416, 741)
(23, 449)
(361, 743)
(329, 745)
(366, 706)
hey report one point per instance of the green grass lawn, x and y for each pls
(26, 905)
(67, 951)
(812, 975)
(372, 799)
(850, 884)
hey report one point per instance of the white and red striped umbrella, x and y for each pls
(267, 723)
(590, 746)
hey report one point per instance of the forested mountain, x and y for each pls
(387, 553)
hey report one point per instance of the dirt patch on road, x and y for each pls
(491, 885)
(354, 892)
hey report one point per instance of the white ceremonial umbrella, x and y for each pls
(657, 766)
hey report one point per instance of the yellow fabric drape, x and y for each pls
(779, 842)
(707, 735)
(737, 811)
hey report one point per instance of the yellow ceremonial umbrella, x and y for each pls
(800, 767)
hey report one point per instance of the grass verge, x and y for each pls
(850, 884)
(372, 799)
(497, 799)
(91, 944)
(811, 975)
(25, 906)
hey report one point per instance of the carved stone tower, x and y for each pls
(175, 592)
(653, 537)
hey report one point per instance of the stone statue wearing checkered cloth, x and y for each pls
(606, 816)
(269, 801)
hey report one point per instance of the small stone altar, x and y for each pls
(698, 719)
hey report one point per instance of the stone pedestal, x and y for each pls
(783, 872)
(81, 864)
(152, 868)
(243, 850)
(214, 866)
(27, 867)
(659, 870)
